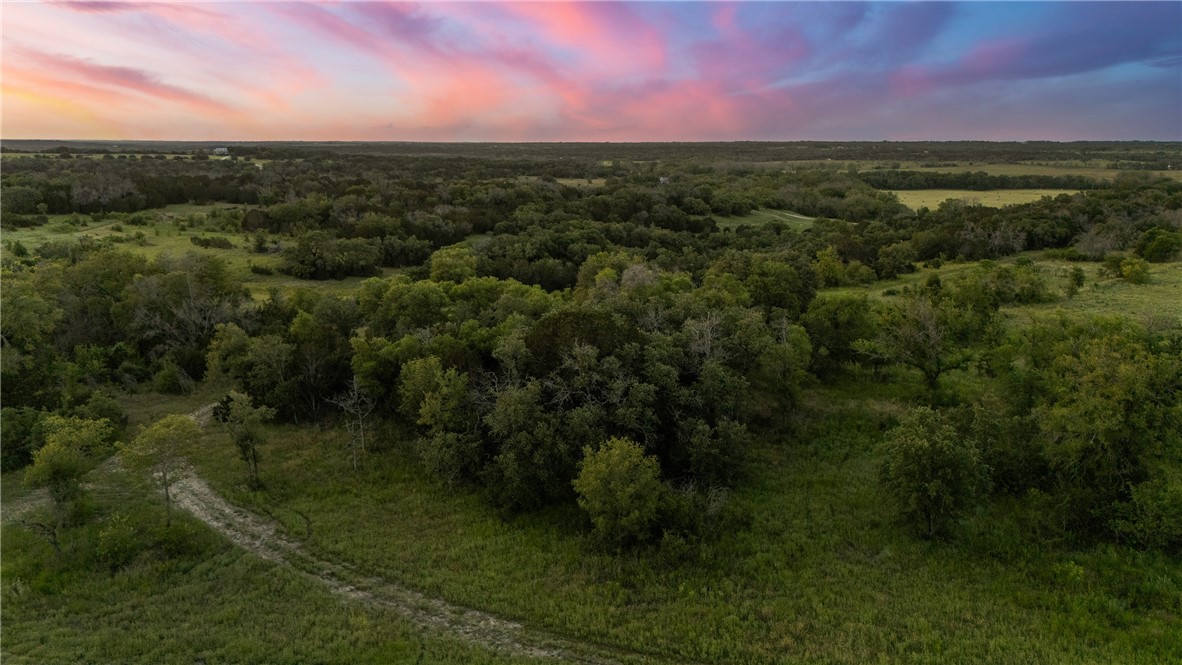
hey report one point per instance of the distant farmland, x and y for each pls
(932, 198)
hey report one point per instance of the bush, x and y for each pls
(1135, 270)
(23, 435)
(931, 474)
(211, 243)
(1064, 254)
(621, 491)
(102, 406)
(450, 456)
(118, 542)
(172, 380)
(1158, 245)
(1156, 514)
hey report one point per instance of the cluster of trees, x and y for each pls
(506, 383)
(109, 317)
(1085, 429)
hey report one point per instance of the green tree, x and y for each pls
(931, 474)
(1114, 412)
(535, 461)
(620, 489)
(833, 324)
(453, 264)
(157, 449)
(1158, 245)
(242, 421)
(70, 446)
(922, 332)
(829, 267)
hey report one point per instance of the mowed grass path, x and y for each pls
(206, 602)
(763, 216)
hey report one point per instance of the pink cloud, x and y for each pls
(600, 34)
(101, 7)
(126, 78)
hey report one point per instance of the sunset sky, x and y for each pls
(580, 71)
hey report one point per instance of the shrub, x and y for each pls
(620, 489)
(1135, 270)
(930, 473)
(1156, 514)
(102, 406)
(172, 380)
(1158, 245)
(23, 435)
(119, 542)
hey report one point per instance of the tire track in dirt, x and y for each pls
(262, 537)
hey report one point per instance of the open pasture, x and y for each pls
(932, 198)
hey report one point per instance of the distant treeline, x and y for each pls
(976, 181)
(1135, 155)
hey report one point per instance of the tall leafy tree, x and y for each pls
(158, 448)
(931, 474)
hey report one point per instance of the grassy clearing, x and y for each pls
(932, 198)
(170, 235)
(1158, 303)
(765, 215)
(583, 182)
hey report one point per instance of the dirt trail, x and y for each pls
(261, 537)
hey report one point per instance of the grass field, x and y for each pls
(170, 235)
(583, 182)
(193, 598)
(1158, 302)
(932, 198)
(763, 216)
